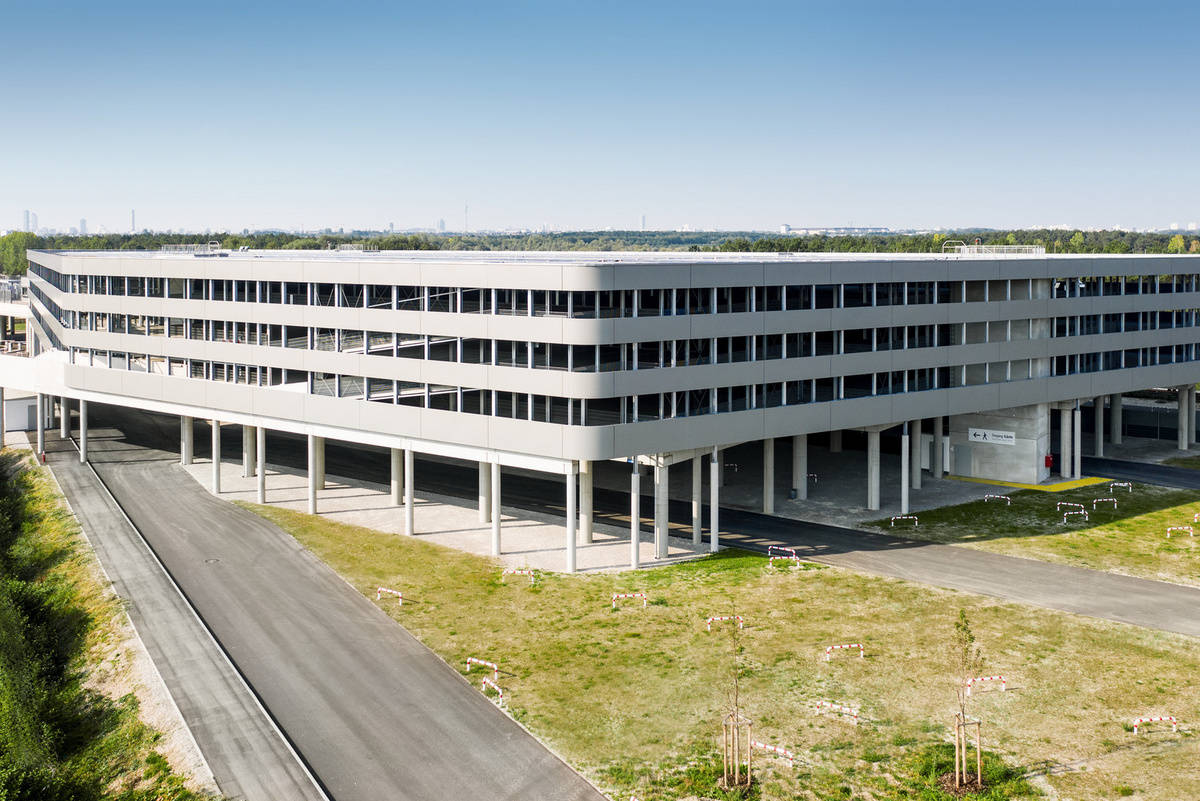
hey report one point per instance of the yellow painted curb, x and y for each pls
(1062, 486)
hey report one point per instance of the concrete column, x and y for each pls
(1098, 424)
(64, 417)
(313, 450)
(662, 475)
(495, 515)
(697, 498)
(905, 451)
(1077, 442)
(410, 479)
(1114, 419)
(714, 504)
(320, 473)
(1064, 443)
(1181, 395)
(939, 468)
(249, 448)
(800, 465)
(635, 515)
(397, 459)
(260, 462)
(586, 471)
(186, 440)
(216, 456)
(873, 470)
(485, 492)
(1191, 414)
(768, 491)
(835, 441)
(720, 468)
(83, 427)
(572, 518)
(3, 423)
(915, 441)
(41, 425)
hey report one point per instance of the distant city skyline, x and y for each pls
(545, 116)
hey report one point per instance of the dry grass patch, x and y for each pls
(633, 697)
(1132, 539)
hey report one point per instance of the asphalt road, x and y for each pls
(1141, 602)
(1161, 474)
(244, 751)
(373, 712)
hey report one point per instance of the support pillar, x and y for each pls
(3, 423)
(586, 471)
(835, 441)
(409, 480)
(83, 431)
(714, 504)
(1098, 424)
(939, 444)
(249, 448)
(495, 515)
(216, 456)
(905, 450)
(313, 449)
(485, 492)
(64, 417)
(915, 441)
(1077, 442)
(873, 470)
(768, 496)
(1191, 414)
(720, 460)
(1064, 443)
(800, 466)
(635, 515)
(697, 498)
(572, 517)
(662, 475)
(397, 459)
(1114, 419)
(320, 463)
(1181, 395)
(41, 424)
(260, 462)
(186, 440)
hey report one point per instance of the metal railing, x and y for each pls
(193, 247)
(994, 250)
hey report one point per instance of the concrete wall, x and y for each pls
(1023, 461)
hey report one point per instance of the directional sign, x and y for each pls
(990, 437)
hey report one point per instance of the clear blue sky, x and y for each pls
(590, 114)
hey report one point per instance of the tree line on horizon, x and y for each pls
(14, 245)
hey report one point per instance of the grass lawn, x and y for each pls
(633, 697)
(1132, 539)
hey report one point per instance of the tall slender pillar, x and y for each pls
(586, 471)
(905, 451)
(1191, 414)
(216, 456)
(1181, 395)
(260, 459)
(41, 424)
(64, 417)
(397, 460)
(1114, 419)
(720, 460)
(313, 450)
(249, 446)
(697, 498)
(635, 515)
(714, 504)
(409, 480)
(3, 422)
(662, 475)
(1064, 442)
(320, 471)
(1098, 424)
(572, 517)
(873, 470)
(800, 466)
(939, 467)
(83, 431)
(485, 491)
(186, 440)
(915, 442)
(495, 515)
(835, 441)
(1077, 442)
(768, 497)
